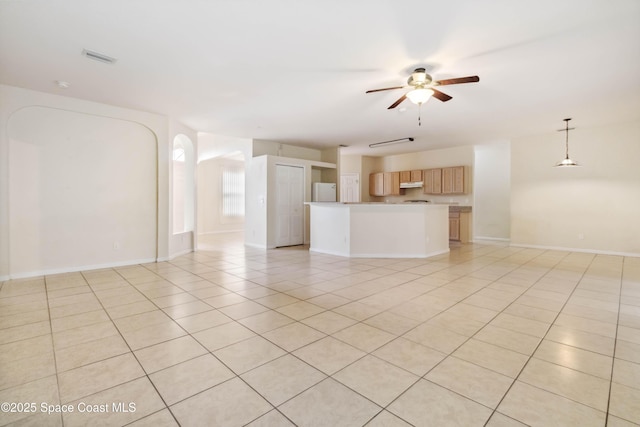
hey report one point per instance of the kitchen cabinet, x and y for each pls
(459, 223)
(384, 184)
(376, 184)
(391, 183)
(432, 181)
(453, 180)
(454, 226)
(411, 176)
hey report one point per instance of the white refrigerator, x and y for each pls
(323, 192)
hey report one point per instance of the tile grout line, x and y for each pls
(469, 338)
(236, 375)
(193, 264)
(306, 363)
(129, 347)
(615, 343)
(53, 346)
(541, 341)
(399, 336)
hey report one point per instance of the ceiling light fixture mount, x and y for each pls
(566, 162)
(97, 56)
(393, 141)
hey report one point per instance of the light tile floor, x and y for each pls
(484, 336)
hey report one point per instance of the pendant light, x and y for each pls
(566, 161)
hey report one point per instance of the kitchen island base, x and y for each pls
(379, 230)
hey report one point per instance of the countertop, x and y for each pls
(452, 208)
(456, 208)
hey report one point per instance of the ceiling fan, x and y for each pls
(423, 87)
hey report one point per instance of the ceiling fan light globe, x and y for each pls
(419, 96)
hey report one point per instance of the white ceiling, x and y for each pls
(296, 71)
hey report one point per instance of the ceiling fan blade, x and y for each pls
(395, 104)
(458, 80)
(441, 96)
(386, 88)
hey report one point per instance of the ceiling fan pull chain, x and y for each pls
(420, 114)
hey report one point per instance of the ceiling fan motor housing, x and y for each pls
(419, 78)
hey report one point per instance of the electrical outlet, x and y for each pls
(116, 245)
(581, 236)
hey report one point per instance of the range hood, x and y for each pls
(417, 184)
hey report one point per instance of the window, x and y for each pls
(232, 192)
(178, 152)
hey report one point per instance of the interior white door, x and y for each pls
(289, 205)
(350, 187)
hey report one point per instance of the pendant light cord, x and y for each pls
(567, 139)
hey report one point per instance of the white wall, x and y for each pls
(492, 192)
(211, 146)
(82, 184)
(592, 208)
(263, 147)
(255, 229)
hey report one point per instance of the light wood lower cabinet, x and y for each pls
(459, 226)
(454, 228)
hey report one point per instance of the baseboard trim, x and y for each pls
(581, 250)
(211, 233)
(490, 240)
(376, 255)
(80, 268)
(180, 253)
(496, 239)
(255, 245)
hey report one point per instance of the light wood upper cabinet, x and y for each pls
(448, 180)
(376, 184)
(411, 176)
(392, 183)
(453, 180)
(384, 184)
(432, 181)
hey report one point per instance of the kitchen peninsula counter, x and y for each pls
(379, 230)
